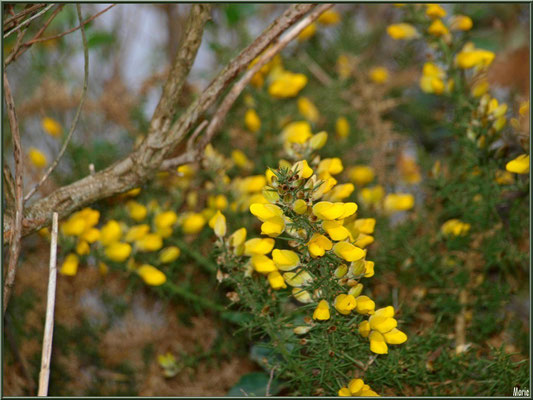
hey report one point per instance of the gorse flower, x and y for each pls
(379, 75)
(402, 31)
(455, 227)
(52, 127)
(381, 330)
(357, 387)
(37, 158)
(520, 165)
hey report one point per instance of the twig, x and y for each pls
(21, 14)
(9, 188)
(236, 90)
(14, 249)
(44, 375)
(27, 21)
(460, 324)
(16, 47)
(17, 52)
(317, 70)
(189, 156)
(267, 391)
(76, 117)
(60, 35)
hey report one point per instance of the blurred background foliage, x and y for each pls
(115, 335)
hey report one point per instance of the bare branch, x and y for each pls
(76, 117)
(19, 49)
(190, 155)
(146, 160)
(44, 375)
(27, 21)
(9, 188)
(16, 17)
(16, 235)
(60, 35)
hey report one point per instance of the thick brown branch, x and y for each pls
(16, 235)
(142, 164)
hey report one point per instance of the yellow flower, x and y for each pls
(379, 75)
(263, 264)
(328, 211)
(348, 251)
(240, 159)
(297, 132)
(258, 246)
(432, 80)
(82, 248)
(302, 295)
(342, 127)
(437, 28)
(434, 11)
(461, 23)
(287, 84)
(361, 175)
(103, 268)
(110, 232)
(318, 245)
(335, 230)
(37, 158)
(520, 165)
(133, 192)
(322, 311)
(372, 196)
(118, 251)
(303, 169)
(302, 330)
(265, 211)
(237, 238)
(319, 140)
(340, 192)
(299, 206)
(252, 121)
(136, 210)
(470, 57)
(344, 303)
(150, 242)
(169, 254)
(308, 32)
(218, 224)
(219, 202)
(273, 227)
(381, 330)
(250, 184)
(70, 265)
(504, 178)
(165, 219)
(357, 388)
(298, 278)
(369, 269)
(329, 17)
(90, 235)
(344, 392)
(402, 31)
(365, 305)
(524, 108)
(193, 223)
(479, 88)
(399, 202)
(409, 169)
(332, 166)
(276, 280)
(151, 275)
(455, 227)
(308, 109)
(285, 260)
(74, 226)
(365, 225)
(136, 232)
(52, 127)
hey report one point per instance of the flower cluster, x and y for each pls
(326, 258)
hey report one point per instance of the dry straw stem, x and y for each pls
(16, 233)
(27, 21)
(16, 17)
(164, 136)
(76, 117)
(44, 375)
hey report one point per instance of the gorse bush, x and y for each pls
(358, 228)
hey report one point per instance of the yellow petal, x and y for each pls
(348, 251)
(258, 246)
(151, 275)
(285, 260)
(520, 165)
(377, 343)
(395, 336)
(263, 264)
